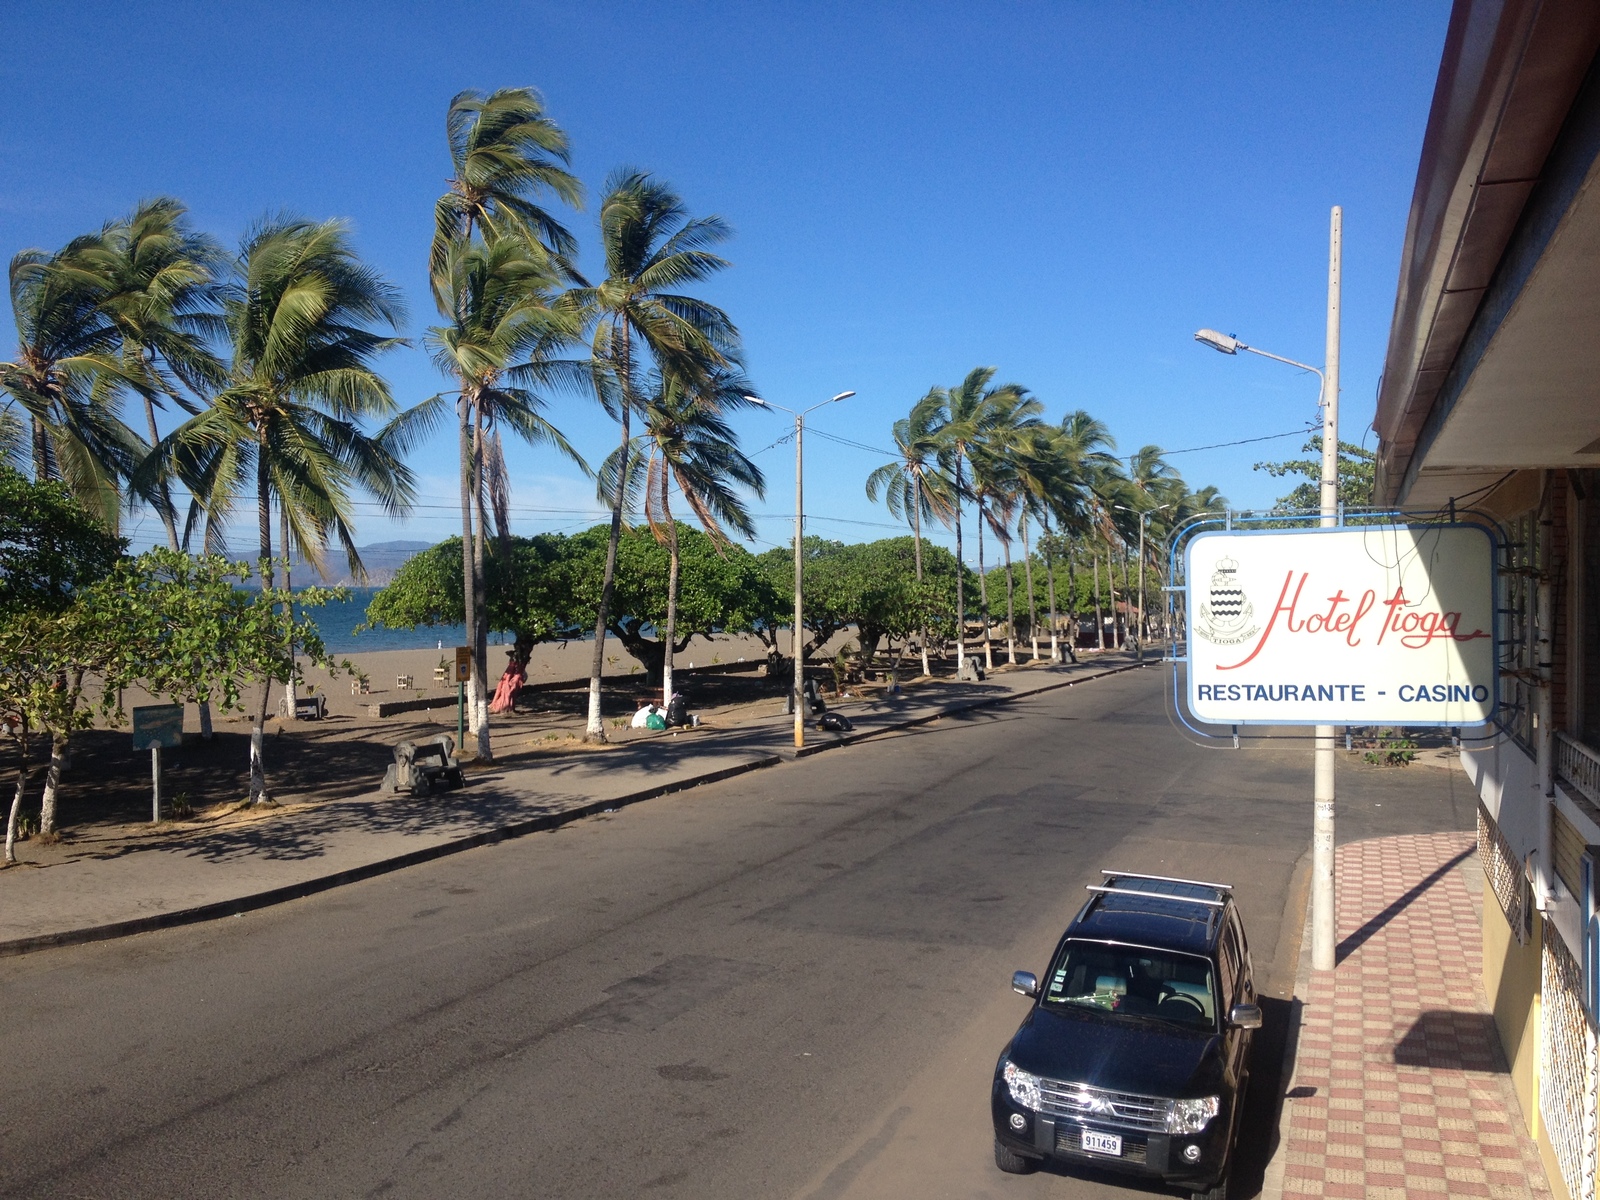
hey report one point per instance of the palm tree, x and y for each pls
(995, 489)
(969, 412)
(913, 486)
(67, 350)
(652, 248)
(505, 155)
(157, 281)
(498, 346)
(688, 445)
(1086, 446)
(288, 420)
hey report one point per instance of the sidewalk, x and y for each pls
(169, 877)
(1400, 1088)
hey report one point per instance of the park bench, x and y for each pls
(423, 767)
(306, 708)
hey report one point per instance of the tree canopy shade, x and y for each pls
(528, 591)
(872, 586)
(721, 590)
(50, 546)
(1355, 475)
(549, 588)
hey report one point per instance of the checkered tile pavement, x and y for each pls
(1399, 1085)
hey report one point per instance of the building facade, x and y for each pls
(1490, 401)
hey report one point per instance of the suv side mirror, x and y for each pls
(1245, 1016)
(1024, 983)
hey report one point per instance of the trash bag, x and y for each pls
(834, 723)
(677, 710)
(655, 721)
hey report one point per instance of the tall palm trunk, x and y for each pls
(595, 731)
(1072, 604)
(292, 692)
(961, 572)
(916, 513)
(1033, 603)
(1050, 583)
(1011, 605)
(258, 772)
(983, 594)
(44, 460)
(1127, 596)
(478, 630)
(469, 574)
(1099, 616)
(672, 599)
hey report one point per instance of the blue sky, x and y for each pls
(1064, 191)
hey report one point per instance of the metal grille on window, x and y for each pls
(1504, 873)
(1518, 578)
(1569, 1069)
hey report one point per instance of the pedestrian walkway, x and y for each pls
(1400, 1087)
(131, 882)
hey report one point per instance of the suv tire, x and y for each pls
(1010, 1162)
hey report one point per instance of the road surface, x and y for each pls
(790, 984)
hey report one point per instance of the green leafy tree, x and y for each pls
(528, 591)
(51, 546)
(1356, 467)
(723, 590)
(637, 315)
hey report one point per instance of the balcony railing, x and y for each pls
(1578, 767)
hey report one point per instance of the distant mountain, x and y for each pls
(382, 560)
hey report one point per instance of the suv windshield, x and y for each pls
(1133, 981)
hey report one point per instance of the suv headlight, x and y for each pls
(1024, 1086)
(1191, 1116)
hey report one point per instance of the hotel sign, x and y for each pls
(1369, 625)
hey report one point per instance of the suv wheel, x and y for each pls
(1010, 1162)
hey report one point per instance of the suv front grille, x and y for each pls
(1085, 1103)
(1069, 1140)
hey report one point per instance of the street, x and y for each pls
(792, 983)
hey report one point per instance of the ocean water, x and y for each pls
(337, 623)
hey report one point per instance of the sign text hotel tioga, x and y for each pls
(1375, 625)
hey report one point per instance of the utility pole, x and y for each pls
(1324, 931)
(798, 642)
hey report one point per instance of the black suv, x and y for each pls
(1135, 1054)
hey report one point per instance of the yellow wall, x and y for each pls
(1511, 981)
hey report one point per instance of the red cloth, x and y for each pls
(505, 695)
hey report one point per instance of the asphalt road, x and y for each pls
(791, 984)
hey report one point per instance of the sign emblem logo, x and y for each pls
(1226, 617)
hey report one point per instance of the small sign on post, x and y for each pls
(463, 664)
(155, 726)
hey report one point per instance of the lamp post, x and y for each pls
(1144, 516)
(799, 502)
(1322, 914)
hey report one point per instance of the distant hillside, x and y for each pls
(382, 560)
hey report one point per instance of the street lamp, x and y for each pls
(799, 498)
(1144, 516)
(1322, 914)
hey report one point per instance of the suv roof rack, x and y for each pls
(1221, 887)
(1116, 891)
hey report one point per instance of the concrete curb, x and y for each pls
(1272, 1180)
(851, 739)
(323, 883)
(501, 833)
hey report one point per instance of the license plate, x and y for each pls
(1102, 1143)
